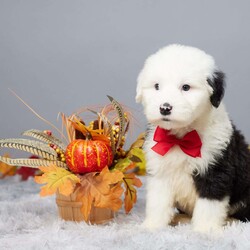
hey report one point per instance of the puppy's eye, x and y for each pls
(185, 87)
(157, 86)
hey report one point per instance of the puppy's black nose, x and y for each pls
(165, 108)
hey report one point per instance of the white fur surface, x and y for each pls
(30, 222)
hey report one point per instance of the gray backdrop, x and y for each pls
(61, 55)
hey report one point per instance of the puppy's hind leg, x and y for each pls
(159, 203)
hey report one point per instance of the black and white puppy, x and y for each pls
(196, 160)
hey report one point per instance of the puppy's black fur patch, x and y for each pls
(217, 82)
(229, 176)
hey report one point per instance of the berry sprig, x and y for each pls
(60, 153)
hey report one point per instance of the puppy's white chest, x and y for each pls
(178, 172)
(184, 192)
(176, 169)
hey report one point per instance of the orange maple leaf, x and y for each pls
(100, 190)
(130, 181)
(7, 170)
(56, 179)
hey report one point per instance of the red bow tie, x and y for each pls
(189, 144)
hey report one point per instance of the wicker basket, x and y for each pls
(69, 209)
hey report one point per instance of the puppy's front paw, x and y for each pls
(152, 225)
(208, 228)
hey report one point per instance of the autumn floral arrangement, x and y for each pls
(91, 164)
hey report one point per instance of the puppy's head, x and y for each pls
(177, 85)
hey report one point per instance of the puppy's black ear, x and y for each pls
(217, 82)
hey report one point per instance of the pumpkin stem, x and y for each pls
(89, 137)
(80, 135)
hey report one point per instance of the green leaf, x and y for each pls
(137, 156)
(122, 164)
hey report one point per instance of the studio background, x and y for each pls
(62, 55)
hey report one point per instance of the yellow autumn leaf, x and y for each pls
(56, 179)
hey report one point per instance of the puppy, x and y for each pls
(197, 161)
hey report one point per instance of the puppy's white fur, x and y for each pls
(169, 182)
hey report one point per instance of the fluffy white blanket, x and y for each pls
(30, 222)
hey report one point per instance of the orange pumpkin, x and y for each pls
(84, 156)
